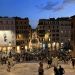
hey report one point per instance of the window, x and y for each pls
(12, 22)
(72, 26)
(1, 22)
(43, 27)
(53, 35)
(53, 27)
(7, 22)
(53, 30)
(57, 26)
(57, 34)
(49, 26)
(57, 30)
(57, 38)
(61, 31)
(53, 39)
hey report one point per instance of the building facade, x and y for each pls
(73, 34)
(52, 33)
(48, 31)
(64, 29)
(44, 32)
(58, 31)
(7, 34)
(23, 33)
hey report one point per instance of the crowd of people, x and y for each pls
(11, 60)
(57, 71)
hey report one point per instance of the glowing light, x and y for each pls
(34, 42)
(57, 45)
(18, 49)
(46, 36)
(49, 45)
(8, 38)
(4, 49)
(49, 39)
(53, 44)
(43, 46)
(9, 48)
(0, 48)
(69, 50)
(40, 45)
(26, 47)
(9, 44)
(62, 43)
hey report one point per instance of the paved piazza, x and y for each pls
(32, 69)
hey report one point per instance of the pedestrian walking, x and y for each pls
(55, 61)
(56, 72)
(49, 62)
(61, 70)
(40, 70)
(8, 66)
(10, 63)
(73, 62)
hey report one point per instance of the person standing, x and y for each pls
(61, 70)
(55, 61)
(56, 72)
(73, 62)
(9, 64)
(49, 62)
(40, 70)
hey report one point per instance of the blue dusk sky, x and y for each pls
(37, 9)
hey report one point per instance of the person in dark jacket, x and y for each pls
(73, 62)
(61, 70)
(40, 70)
(56, 72)
(49, 62)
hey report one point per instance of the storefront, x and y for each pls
(7, 40)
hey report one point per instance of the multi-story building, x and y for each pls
(42, 29)
(73, 34)
(54, 27)
(52, 33)
(58, 31)
(7, 34)
(64, 29)
(48, 29)
(23, 33)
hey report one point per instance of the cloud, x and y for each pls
(55, 5)
(69, 1)
(49, 5)
(58, 8)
